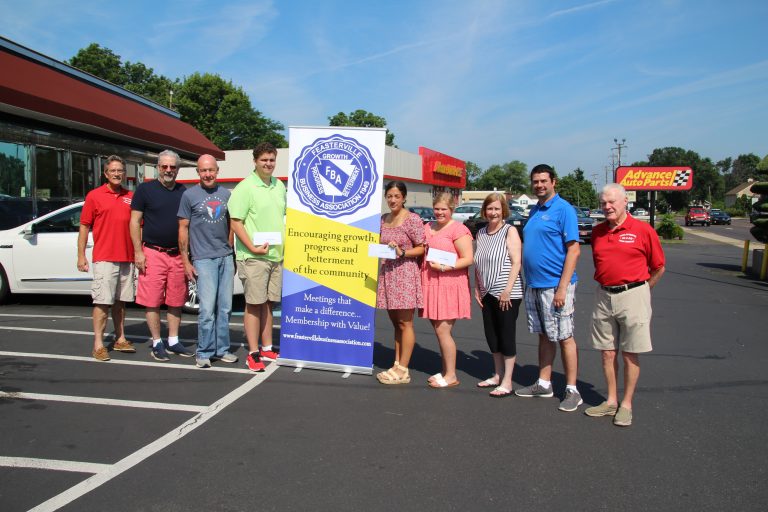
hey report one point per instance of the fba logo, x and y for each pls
(334, 176)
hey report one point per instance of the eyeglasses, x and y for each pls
(115, 171)
(171, 167)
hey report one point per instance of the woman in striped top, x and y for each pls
(498, 290)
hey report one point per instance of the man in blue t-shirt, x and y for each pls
(206, 250)
(550, 252)
(155, 235)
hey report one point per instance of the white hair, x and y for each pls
(169, 153)
(614, 186)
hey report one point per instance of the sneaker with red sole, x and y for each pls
(269, 355)
(254, 363)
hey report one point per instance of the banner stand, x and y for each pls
(346, 370)
(333, 215)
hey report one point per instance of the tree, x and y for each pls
(708, 184)
(363, 119)
(135, 77)
(100, 62)
(511, 177)
(577, 190)
(744, 168)
(223, 113)
(762, 169)
(217, 108)
(474, 172)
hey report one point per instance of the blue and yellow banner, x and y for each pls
(329, 281)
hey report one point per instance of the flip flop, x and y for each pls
(487, 383)
(501, 392)
(434, 377)
(440, 382)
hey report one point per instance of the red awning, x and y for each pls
(63, 99)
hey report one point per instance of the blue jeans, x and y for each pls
(215, 280)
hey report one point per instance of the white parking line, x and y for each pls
(83, 317)
(144, 453)
(56, 465)
(133, 363)
(103, 401)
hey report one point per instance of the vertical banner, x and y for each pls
(329, 281)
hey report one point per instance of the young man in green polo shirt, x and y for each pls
(257, 206)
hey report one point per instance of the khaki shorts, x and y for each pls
(262, 280)
(112, 282)
(622, 320)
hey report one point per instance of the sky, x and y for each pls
(487, 81)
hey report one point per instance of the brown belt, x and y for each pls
(170, 251)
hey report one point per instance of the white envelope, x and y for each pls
(443, 257)
(271, 237)
(382, 251)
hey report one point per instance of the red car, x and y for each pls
(697, 215)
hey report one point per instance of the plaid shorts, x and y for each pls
(544, 318)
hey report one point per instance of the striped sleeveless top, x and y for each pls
(492, 263)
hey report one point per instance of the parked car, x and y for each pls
(477, 222)
(640, 212)
(426, 213)
(585, 225)
(527, 211)
(585, 210)
(697, 215)
(597, 214)
(517, 208)
(40, 256)
(719, 217)
(465, 211)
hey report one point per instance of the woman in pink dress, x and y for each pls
(399, 289)
(446, 286)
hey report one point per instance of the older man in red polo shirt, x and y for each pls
(629, 262)
(107, 211)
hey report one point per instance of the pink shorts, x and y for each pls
(162, 282)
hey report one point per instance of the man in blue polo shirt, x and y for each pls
(550, 253)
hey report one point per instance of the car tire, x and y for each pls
(5, 287)
(707, 224)
(192, 306)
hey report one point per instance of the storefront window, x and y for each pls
(52, 180)
(15, 185)
(83, 175)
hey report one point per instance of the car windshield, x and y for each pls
(467, 209)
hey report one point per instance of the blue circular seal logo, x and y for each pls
(334, 176)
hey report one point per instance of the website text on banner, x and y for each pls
(329, 280)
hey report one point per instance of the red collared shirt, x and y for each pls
(107, 213)
(625, 254)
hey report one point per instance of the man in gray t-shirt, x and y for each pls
(205, 244)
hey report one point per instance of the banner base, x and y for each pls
(314, 365)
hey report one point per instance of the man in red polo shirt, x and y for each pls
(629, 262)
(107, 211)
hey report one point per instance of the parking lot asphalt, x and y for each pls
(136, 435)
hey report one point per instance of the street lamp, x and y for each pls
(618, 147)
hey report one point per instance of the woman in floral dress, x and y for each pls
(399, 289)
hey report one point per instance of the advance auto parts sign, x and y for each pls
(655, 178)
(334, 176)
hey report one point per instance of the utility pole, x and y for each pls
(618, 148)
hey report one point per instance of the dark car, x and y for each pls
(719, 217)
(585, 225)
(426, 213)
(476, 222)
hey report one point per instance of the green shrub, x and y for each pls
(668, 228)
